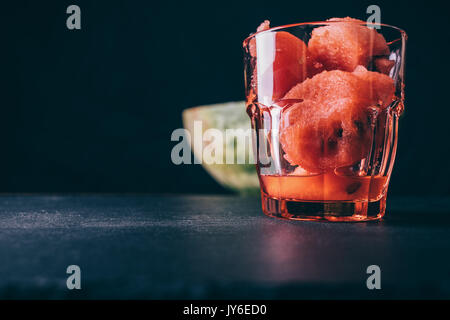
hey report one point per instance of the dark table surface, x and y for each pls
(218, 247)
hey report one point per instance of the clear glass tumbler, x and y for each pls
(324, 100)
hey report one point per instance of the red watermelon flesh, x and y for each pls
(331, 127)
(265, 25)
(380, 87)
(384, 65)
(289, 65)
(319, 141)
(328, 86)
(345, 44)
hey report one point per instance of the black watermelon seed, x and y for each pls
(338, 132)
(332, 144)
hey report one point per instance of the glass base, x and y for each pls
(336, 211)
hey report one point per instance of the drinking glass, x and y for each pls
(324, 100)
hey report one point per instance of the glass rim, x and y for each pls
(323, 23)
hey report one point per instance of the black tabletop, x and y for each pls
(218, 247)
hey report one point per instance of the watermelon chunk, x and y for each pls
(287, 67)
(384, 65)
(331, 127)
(322, 140)
(328, 86)
(345, 44)
(380, 88)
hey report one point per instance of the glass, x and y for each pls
(324, 100)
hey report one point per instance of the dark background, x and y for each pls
(93, 110)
